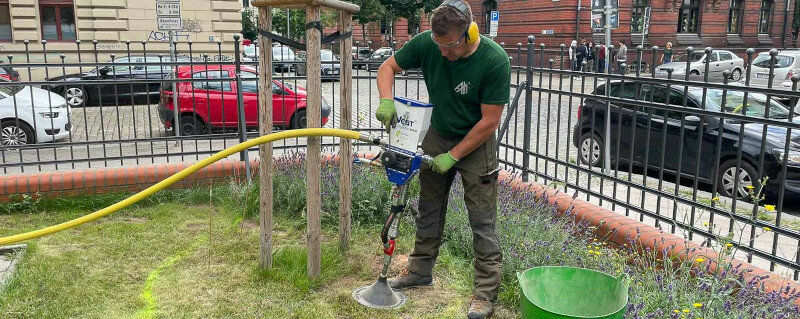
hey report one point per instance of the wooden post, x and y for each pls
(313, 156)
(345, 152)
(264, 128)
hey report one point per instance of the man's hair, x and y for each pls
(622, 41)
(446, 20)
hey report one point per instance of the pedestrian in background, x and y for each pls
(666, 57)
(580, 55)
(622, 56)
(601, 58)
(572, 52)
(590, 57)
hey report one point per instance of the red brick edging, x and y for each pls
(615, 228)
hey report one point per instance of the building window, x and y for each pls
(637, 15)
(734, 17)
(488, 7)
(384, 27)
(764, 16)
(5, 21)
(58, 20)
(689, 17)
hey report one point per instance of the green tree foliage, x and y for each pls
(249, 30)
(297, 22)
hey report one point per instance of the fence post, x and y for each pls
(237, 60)
(528, 109)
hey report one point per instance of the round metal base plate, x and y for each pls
(357, 296)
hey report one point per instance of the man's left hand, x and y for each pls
(443, 163)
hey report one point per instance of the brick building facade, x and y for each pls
(699, 23)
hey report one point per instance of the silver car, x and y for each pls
(787, 64)
(718, 61)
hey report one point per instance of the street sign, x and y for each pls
(168, 9)
(599, 5)
(168, 15)
(169, 24)
(646, 26)
(599, 22)
(495, 19)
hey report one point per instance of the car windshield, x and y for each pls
(250, 50)
(283, 53)
(9, 90)
(756, 104)
(695, 57)
(327, 55)
(364, 51)
(781, 61)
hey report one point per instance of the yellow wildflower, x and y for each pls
(677, 311)
(597, 253)
(729, 245)
(767, 229)
(750, 187)
(705, 224)
(686, 310)
(697, 305)
(700, 260)
(715, 199)
(769, 208)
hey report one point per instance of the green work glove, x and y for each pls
(386, 113)
(443, 163)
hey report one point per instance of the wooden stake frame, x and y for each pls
(314, 119)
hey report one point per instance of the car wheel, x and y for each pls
(16, 133)
(590, 149)
(694, 72)
(744, 180)
(76, 96)
(191, 125)
(736, 75)
(299, 119)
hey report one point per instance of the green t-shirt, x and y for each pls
(457, 88)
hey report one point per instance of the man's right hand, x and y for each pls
(386, 113)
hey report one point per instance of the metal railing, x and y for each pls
(715, 162)
(670, 137)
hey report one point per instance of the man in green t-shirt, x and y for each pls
(468, 80)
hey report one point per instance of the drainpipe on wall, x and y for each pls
(785, 21)
(578, 21)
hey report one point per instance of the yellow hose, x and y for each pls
(181, 175)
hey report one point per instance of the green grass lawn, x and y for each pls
(176, 256)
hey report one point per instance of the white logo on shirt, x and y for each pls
(463, 87)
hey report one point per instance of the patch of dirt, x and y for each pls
(249, 225)
(196, 226)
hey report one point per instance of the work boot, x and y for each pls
(479, 308)
(408, 279)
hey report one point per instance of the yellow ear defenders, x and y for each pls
(471, 32)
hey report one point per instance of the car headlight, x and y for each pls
(792, 158)
(49, 115)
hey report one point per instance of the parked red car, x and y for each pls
(212, 104)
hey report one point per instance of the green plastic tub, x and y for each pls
(569, 292)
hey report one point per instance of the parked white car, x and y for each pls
(718, 61)
(787, 64)
(31, 115)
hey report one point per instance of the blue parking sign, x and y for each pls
(495, 16)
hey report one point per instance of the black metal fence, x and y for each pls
(694, 153)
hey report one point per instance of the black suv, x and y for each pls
(631, 120)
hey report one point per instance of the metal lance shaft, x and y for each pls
(390, 228)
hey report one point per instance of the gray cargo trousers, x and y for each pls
(478, 172)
